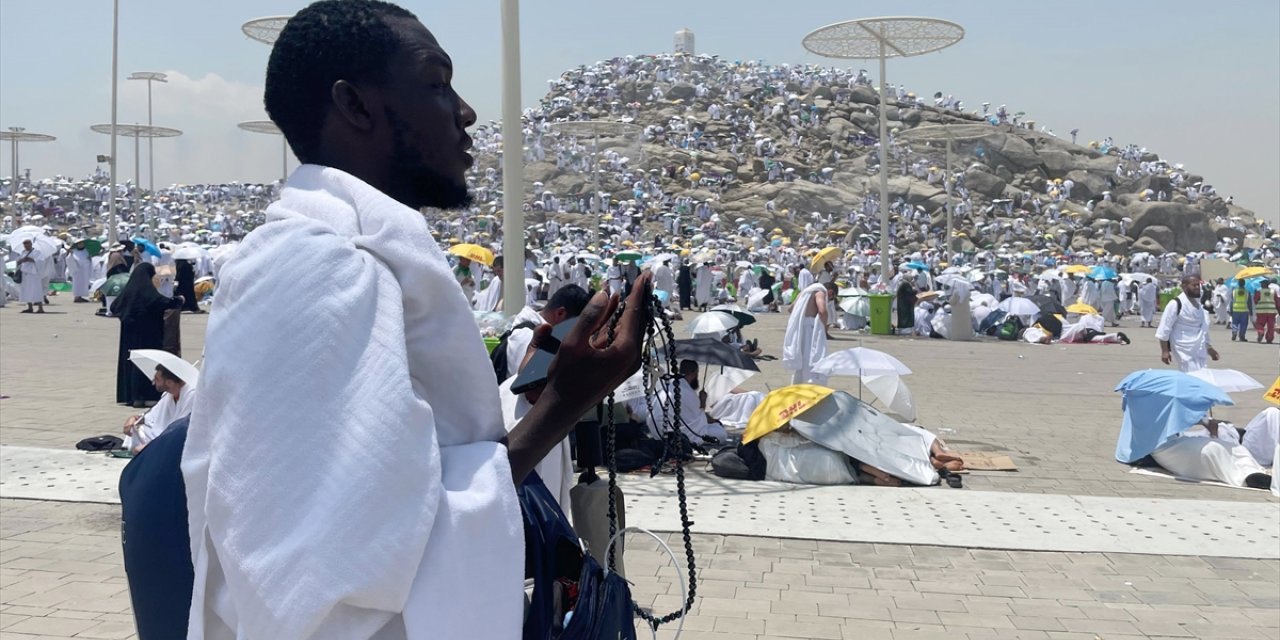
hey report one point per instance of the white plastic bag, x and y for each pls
(793, 458)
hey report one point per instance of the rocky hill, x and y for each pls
(702, 117)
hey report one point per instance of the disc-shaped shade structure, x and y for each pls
(902, 37)
(260, 126)
(265, 30)
(138, 131)
(23, 136)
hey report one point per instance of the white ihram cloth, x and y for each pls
(1147, 300)
(158, 418)
(81, 273)
(556, 469)
(31, 289)
(1193, 454)
(490, 299)
(1187, 332)
(1262, 434)
(805, 342)
(374, 501)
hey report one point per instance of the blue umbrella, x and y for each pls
(1159, 403)
(918, 265)
(1102, 273)
(147, 246)
(1250, 284)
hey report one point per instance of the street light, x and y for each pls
(137, 132)
(512, 159)
(950, 133)
(269, 127)
(629, 133)
(883, 38)
(149, 77)
(19, 134)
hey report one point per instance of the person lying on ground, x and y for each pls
(1211, 450)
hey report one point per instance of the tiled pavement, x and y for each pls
(1051, 408)
(61, 578)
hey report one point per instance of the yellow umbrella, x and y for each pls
(823, 257)
(780, 406)
(1077, 269)
(473, 252)
(1082, 309)
(1252, 272)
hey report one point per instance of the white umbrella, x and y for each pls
(146, 360)
(190, 252)
(713, 322)
(45, 246)
(893, 393)
(1019, 307)
(860, 361)
(1228, 380)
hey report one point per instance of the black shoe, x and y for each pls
(1258, 480)
(1123, 337)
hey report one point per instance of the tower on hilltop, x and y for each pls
(684, 41)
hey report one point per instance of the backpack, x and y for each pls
(1010, 329)
(499, 354)
(743, 462)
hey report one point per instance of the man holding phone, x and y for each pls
(377, 499)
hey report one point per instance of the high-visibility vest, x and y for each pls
(1239, 301)
(1266, 302)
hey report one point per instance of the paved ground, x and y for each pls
(1051, 408)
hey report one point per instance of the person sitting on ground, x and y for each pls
(693, 416)
(1211, 450)
(176, 400)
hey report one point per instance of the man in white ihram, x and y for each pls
(805, 342)
(1184, 329)
(347, 471)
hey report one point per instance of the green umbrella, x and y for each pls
(114, 285)
(93, 246)
(628, 256)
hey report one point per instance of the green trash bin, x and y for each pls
(881, 312)
(1165, 296)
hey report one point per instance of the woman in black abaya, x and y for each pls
(186, 288)
(140, 309)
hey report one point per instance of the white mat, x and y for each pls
(1161, 473)
(921, 516)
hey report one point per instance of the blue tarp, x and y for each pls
(1159, 403)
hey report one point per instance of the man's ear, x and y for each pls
(352, 104)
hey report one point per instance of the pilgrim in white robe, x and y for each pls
(804, 279)
(805, 342)
(376, 500)
(694, 419)
(490, 298)
(165, 412)
(1262, 434)
(1147, 301)
(1187, 332)
(665, 280)
(703, 282)
(960, 318)
(81, 269)
(31, 289)
(1194, 454)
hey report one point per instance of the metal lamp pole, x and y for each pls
(269, 127)
(135, 131)
(149, 77)
(950, 133)
(112, 221)
(883, 38)
(513, 242)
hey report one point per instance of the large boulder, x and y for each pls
(1057, 163)
(1190, 226)
(864, 95)
(984, 182)
(1159, 233)
(1147, 244)
(1009, 150)
(681, 91)
(1087, 185)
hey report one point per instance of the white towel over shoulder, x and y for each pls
(343, 474)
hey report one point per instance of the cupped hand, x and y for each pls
(588, 366)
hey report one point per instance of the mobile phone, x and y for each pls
(534, 373)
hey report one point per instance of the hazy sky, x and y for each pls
(1197, 83)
